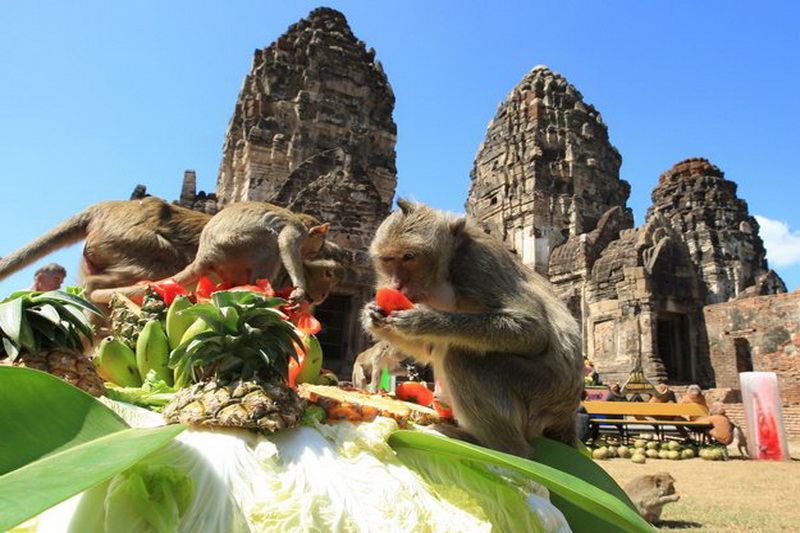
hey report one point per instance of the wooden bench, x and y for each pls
(660, 416)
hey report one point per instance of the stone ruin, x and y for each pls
(312, 131)
(687, 295)
(546, 171)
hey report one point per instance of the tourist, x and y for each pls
(49, 277)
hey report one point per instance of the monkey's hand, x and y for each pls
(411, 321)
(373, 317)
(297, 296)
(382, 326)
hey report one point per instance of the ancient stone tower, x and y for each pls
(313, 131)
(546, 170)
(721, 235)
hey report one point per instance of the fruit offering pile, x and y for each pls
(221, 357)
(644, 449)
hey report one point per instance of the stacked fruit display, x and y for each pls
(227, 360)
(643, 449)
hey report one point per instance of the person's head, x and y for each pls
(615, 388)
(49, 277)
(694, 390)
(716, 409)
(662, 388)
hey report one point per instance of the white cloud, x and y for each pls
(782, 244)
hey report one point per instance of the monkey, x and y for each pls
(369, 364)
(504, 346)
(244, 242)
(741, 442)
(322, 273)
(125, 242)
(651, 493)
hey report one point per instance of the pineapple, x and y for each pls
(46, 331)
(70, 365)
(128, 318)
(253, 403)
(238, 367)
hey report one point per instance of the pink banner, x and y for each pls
(763, 412)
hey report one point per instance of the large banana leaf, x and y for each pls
(587, 496)
(58, 441)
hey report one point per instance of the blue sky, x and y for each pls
(97, 97)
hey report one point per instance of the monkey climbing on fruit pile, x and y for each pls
(247, 241)
(504, 346)
(125, 242)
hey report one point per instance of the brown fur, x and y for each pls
(651, 493)
(126, 242)
(322, 273)
(369, 364)
(504, 346)
(247, 241)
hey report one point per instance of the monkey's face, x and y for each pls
(405, 269)
(322, 276)
(412, 250)
(665, 483)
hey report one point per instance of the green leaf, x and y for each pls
(210, 314)
(58, 441)
(561, 469)
(237, 298)
(230, 319)
(11, 348)
(80, 323)
(47, 311)
(67, 298)
(11, 319)
(21, 294)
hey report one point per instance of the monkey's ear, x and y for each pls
(322, 229)
(405, 206)
(458, 225)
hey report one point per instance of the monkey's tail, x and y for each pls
(68, 232)
(186, 277)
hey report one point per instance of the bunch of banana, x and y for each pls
(130, 354)
(116, 362)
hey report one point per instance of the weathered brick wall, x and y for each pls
(770, 327)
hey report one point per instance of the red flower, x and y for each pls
(300, 315)
(392, 300)
(205, 287)
(168, 290)
(266, 287)
(296, 364)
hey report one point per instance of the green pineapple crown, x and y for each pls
(35, 321)
(247, 336)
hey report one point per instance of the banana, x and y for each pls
(178, 323)
(152, 351)
(198, 326)
(116, 362)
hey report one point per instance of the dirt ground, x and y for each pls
(730, 496)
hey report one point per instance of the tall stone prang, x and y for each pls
(546, 170)
(721, 235)
(312, 131)
(316, 105)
